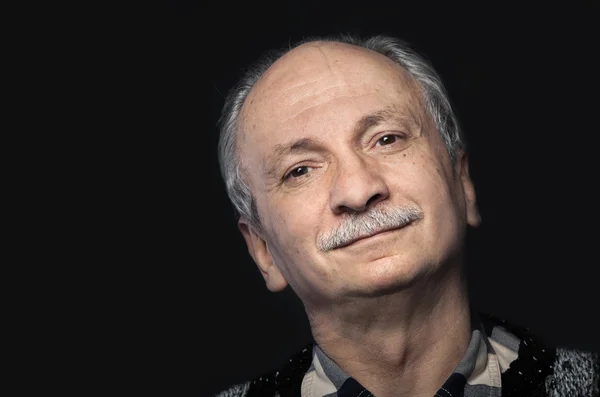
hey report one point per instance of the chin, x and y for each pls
(387, 275)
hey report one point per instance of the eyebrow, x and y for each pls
(389, 113)
(303, 145)
(306, 145)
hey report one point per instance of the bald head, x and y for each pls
(310, 86)
(281, 86)
(320, 69)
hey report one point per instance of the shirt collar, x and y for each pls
(478, 373)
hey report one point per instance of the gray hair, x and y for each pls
(434, 95)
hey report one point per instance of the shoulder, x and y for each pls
(239, 390)
(283, 382)
(576, 373)
(560, 371)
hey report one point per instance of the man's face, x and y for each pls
(330, 133)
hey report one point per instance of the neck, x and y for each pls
(405, 343)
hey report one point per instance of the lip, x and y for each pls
(369, 237)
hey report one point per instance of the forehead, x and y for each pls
(321, 71)
(319, 86)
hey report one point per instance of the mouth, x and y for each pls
(376, 233)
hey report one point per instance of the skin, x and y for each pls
(391, 310)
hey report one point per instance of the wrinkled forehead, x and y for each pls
(317, 72)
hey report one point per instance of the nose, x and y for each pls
(358, 186)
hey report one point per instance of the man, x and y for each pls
(345, 162)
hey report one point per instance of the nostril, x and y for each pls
(373, 199)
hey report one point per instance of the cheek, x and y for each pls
(293, 216)
(293, 229)
(424, 180)
(420, 178)
(293, 223)
(437, 189)
(440, 204)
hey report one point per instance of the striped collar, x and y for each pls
(489, 354)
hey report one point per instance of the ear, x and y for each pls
(259, 251)
(473, 217)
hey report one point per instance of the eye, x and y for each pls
(386, 140)
(298, 172)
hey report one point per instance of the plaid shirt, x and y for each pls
(479, 372)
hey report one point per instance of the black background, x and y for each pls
(524, 82)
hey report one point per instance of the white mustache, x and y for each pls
(362, 225)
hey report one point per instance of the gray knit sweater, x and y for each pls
(561, 372)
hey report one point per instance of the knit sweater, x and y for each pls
(539, 370)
